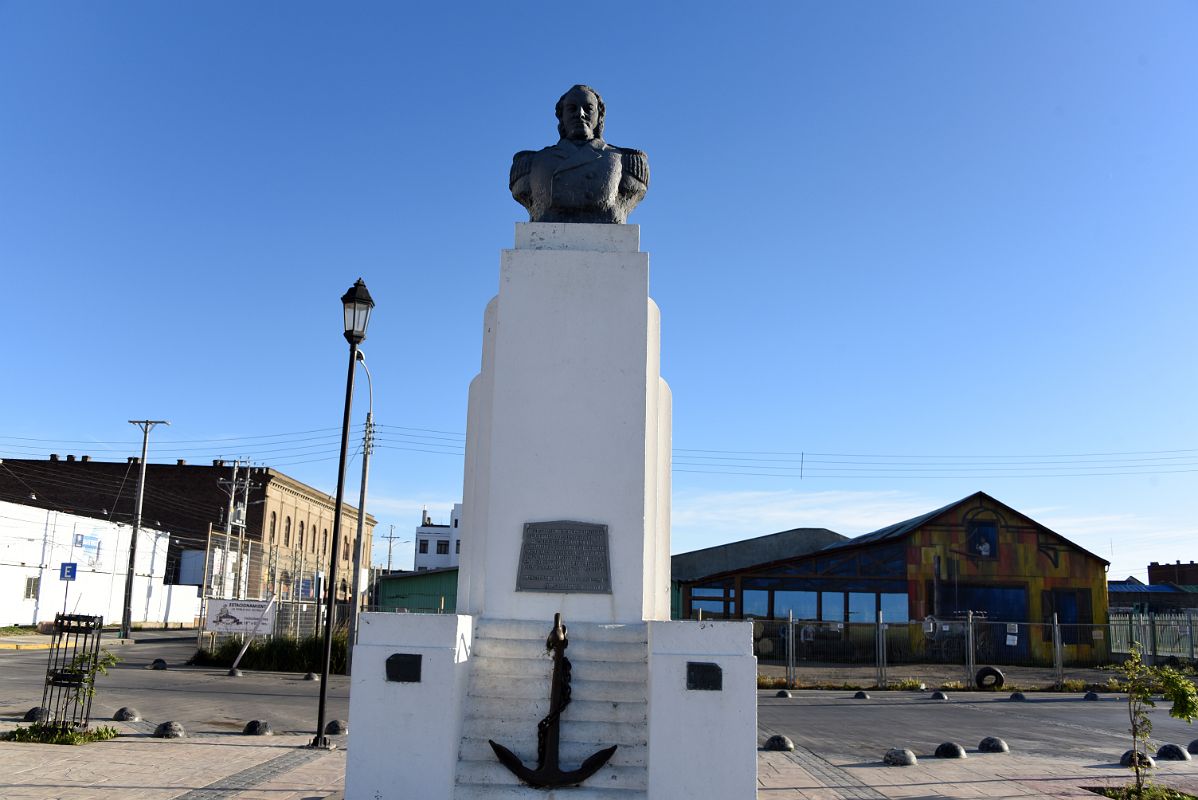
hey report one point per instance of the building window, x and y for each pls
(423, 546)
(300, 538)
(324, 541)
(457, 547)
(804, 605)
(755, 603)
(863, 607)
(31, 587)
(894, 607)
(455, 523)
(983, 539)
(345, 551)
(287, 532)
(831, 606)
(443, 548)
(274, 518)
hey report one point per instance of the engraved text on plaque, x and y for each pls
(564, 557)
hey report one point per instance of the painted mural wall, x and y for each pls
(984, 557)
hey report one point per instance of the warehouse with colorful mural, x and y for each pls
(976, 557)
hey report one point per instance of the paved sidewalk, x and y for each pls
(1059, 745)
(802, 775)
(139, 767)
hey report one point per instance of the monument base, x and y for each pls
(659, 691)
(566, 509)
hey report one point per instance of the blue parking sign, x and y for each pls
(67, 571)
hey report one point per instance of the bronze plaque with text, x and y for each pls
(564, 557)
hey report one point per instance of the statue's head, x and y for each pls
(580, 114)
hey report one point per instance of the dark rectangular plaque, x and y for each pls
(404, 667)
(564, 556)
(704, 676)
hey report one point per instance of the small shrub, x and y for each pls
(953, 685)
(905, 684)
(39, 733)
(1073, 685)
(277, 655)
(1142, 682)
(770, 682)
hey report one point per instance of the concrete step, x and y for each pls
(498, 685)
(608, 777)
(578, 710)
(579, 631)
(522, 732)
(572, 753)
(584, 792)
(539, 670)
(576, 652)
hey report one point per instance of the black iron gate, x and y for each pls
(71, 672)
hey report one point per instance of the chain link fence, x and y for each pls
(236, 568)
(956, 652)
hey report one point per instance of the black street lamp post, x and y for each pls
(358, 304)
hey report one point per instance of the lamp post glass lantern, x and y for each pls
(357, 305)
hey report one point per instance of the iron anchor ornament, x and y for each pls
(549, 773)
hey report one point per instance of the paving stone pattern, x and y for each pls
(236, 783)
(836, 780)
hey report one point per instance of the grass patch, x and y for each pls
(38, 733)
(278, 655)
(1150, 791)
(18, 630)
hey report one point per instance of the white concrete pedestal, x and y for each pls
(569, 420)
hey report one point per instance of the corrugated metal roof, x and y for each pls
(1137, 588)
(896, 531)
(750, 552)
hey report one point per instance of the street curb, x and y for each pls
(14, 646)
(46, 645)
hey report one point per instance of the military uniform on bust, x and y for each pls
(582, 178)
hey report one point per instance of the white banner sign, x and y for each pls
(239, 616)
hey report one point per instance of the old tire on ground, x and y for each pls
(989, 678)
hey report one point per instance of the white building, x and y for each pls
(35, 542)
(438, 546)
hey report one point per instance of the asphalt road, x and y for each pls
(832, 723)
(203, 700)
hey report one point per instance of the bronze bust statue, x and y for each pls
(581, 178)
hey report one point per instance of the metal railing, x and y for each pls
(955, 651)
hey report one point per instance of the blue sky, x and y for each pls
(950, 247)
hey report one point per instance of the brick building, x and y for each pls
(284, 531)
(1177, 573)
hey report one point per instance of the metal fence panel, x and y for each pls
(954, 652)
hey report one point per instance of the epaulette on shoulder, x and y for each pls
(636, 164)
(521, 166)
